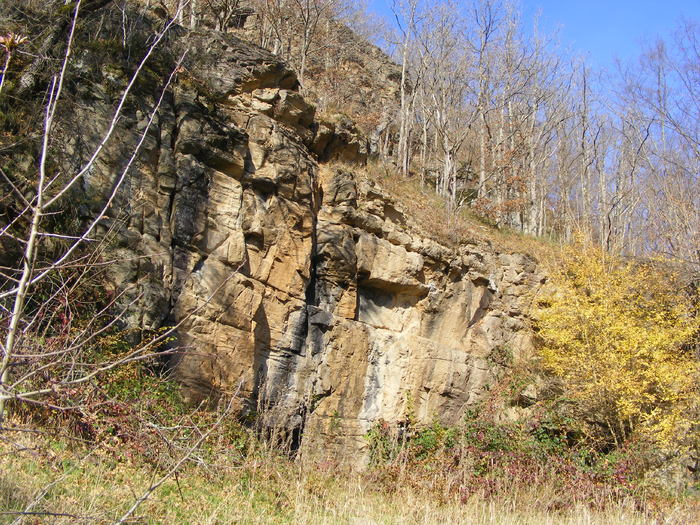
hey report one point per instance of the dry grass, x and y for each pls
(428, 209)
(251, 482)
(262, 487)
(435, 220)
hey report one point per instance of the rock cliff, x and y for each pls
(302, 287)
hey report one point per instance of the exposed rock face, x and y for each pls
(307, 292)
(402, 323)
(343, 71)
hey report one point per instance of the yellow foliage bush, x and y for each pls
(621, 336)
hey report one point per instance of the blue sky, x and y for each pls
(602, 29)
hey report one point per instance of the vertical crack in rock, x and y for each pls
(316, 203)
(331, 312)
(311, 335)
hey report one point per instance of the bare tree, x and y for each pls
(10, 43)
(310, 12)
(224, 12)
(408, 15)
(23, 301)
(498, 118)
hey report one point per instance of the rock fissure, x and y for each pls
(307, 291)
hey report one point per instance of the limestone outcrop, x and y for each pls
(307, 291)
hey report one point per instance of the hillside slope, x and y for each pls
(304, 290)
(263, 306)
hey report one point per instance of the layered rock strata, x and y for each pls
(307, 292)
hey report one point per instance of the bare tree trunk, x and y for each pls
(48, 193)
(193, 14)
(482, 191)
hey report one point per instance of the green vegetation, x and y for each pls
(476, 472)
(267, 489)
(618, 337)
(94, 462)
